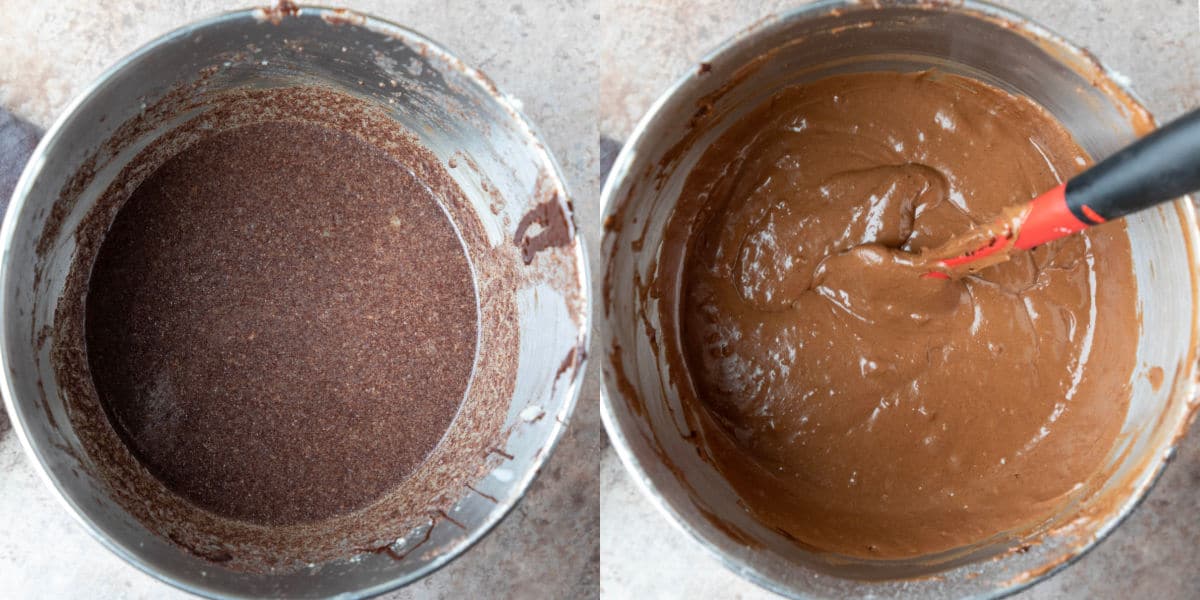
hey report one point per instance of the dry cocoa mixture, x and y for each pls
(281, 323)
(271, 344)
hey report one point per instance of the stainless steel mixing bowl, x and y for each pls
(640, 402)
(487, 146)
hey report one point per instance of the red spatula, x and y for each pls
(1157, 168)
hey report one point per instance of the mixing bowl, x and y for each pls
(641, 401)
(513, 212)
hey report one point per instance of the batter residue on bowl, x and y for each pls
(855, 406)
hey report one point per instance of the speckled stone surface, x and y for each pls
(569, 62)
(1156, 43)
(541, 53)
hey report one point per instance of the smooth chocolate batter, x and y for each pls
(281, 323)
(861, 409)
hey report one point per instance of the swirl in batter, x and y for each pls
(861, 409)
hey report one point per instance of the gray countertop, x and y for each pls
(584, 70)
(540, 53)
(646, 46)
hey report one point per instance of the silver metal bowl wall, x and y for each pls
(457, 114)
(640, 399)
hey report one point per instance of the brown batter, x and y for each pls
(861, 409)
(281, 323)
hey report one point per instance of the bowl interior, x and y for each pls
(641, 403)
(534, 314)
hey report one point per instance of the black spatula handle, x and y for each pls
(1156, 168)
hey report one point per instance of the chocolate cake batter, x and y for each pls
(854, 406)
(281, 323)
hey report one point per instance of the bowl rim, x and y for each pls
(622, 170)
(410, 37)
